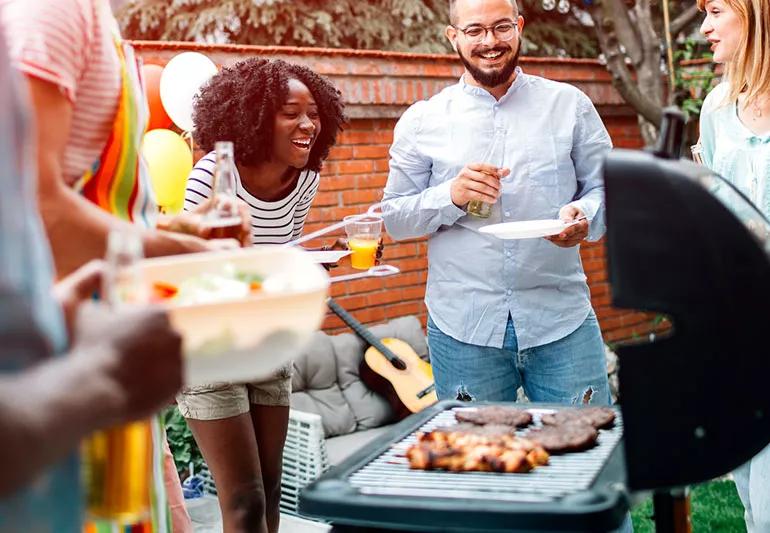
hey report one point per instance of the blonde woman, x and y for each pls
(735, 135)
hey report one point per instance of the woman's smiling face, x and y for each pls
(722, 28)
(297, 126)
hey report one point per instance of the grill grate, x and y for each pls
(389, 474)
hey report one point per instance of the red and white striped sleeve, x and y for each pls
(50, 39)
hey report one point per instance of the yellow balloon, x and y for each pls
(173, 209)
(170, 161)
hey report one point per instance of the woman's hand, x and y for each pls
(342, 244)
(193, 222)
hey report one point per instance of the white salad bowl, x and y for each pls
(249, 337)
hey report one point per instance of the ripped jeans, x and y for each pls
(570, 370)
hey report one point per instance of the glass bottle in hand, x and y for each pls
(224, 219)
(494, 156)
(117, 462)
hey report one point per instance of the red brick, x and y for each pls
(354, 167)
(370, 151)
(326, 199)
(412, 264)
(362, 196)
(336, 183)
(414, 293)
(403, 309)
(340, 152)
(376, 181)
(381, 165)
(384, 297)
(349, 303)
(370, 314)
(384, 136)
(396, 251)
(364, 285)
(408, 279)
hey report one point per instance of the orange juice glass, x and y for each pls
(363, 239)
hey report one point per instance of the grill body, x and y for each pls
(376, 488)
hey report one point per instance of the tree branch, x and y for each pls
(684, 19)
(622, 78)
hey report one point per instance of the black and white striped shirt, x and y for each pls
(271, 222)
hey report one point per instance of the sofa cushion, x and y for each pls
(370, 409)
(326, 380)
(315, 388)
(342, 447)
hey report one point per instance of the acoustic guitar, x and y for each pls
(391, 368)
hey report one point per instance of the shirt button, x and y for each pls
(507, 213)
(508, 254)
(509, 292)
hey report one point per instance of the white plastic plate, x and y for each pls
(526, 229)
(328, 256)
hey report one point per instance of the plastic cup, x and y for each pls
(697, 153)
(363, 239)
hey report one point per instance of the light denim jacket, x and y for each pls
(554, 145)
(52, 502)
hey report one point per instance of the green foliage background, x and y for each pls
(396, 25)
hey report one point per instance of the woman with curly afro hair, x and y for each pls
(282, 119)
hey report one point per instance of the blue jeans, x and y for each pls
(570, 370)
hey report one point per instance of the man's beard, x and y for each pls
(497, 77)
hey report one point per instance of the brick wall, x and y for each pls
(377, 87)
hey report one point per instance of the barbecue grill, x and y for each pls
(680, 241)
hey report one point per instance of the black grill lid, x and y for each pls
(697, 404)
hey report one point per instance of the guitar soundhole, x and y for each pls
(399, 364)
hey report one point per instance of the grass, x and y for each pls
(715, 507)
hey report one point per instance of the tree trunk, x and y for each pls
(628, 40)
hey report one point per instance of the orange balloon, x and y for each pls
(158, 117)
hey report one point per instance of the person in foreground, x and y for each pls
(282, 120)
(119, 367)
(735, 139)
(503, 313)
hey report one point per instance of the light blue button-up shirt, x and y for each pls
(733, 151)
(554, 144)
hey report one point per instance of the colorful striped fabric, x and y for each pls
(118, 182)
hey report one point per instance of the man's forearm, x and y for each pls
(44, 413)
(423, 213)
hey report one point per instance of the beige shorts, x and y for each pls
(226, 400)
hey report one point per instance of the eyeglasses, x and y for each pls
(476, 33)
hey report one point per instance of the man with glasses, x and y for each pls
(503, 313)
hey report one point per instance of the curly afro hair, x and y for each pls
(240, 104)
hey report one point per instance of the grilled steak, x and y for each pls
(506, 416)
(570, 437)
(598, 417)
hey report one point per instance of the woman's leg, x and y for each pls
(220, 422)
(230, 450)
(180, 520)
(270, 426)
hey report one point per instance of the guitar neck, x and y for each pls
(361, 330)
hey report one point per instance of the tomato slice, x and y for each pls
(163, 291)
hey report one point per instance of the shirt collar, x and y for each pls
(520, 81)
